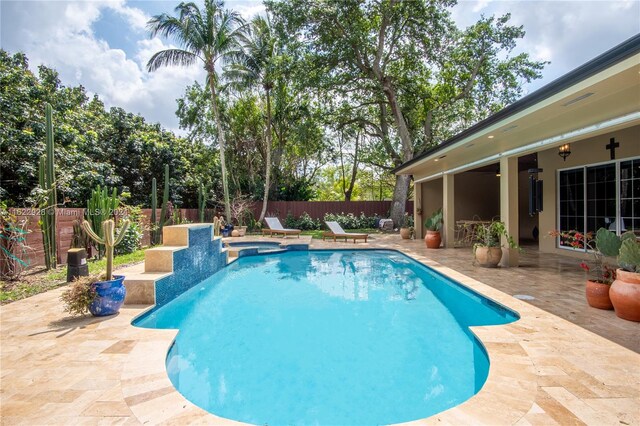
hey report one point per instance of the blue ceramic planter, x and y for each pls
(109, 296)
(226, 231)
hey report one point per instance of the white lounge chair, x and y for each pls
(336, 231)
(275, 228)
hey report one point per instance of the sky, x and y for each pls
(104, 45)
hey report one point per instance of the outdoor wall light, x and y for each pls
(498, 171)
(564, 151)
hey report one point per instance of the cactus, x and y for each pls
(80, 238)
(154, 206)
(629, 256)
(100, 207)
(218, 222)
(157, 225)
(165, 200)
(202, 202)
(109, 239)
(607, 242)
(46, 175)
(434, 222)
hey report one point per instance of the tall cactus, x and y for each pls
(218, 223)
(165, 199)
(202, 203)
(157, 225)
(100, 207)
(46, 175)
(154, 206)
(109, 239)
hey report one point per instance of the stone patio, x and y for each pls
(545, 369)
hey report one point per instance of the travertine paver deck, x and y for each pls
(544, 369)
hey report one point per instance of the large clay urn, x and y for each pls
(433, 239)
(598, 295)
(488, 257)
(405, 233)
(625, 295)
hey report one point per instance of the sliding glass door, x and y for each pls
(600, 196)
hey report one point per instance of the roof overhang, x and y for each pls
(599, 97)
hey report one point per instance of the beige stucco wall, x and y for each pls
(477, 195)
(583, 152)
(431, 201)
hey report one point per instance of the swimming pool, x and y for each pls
(327, 337)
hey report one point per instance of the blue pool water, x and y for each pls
(327, 337)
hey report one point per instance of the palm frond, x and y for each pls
(171, 57)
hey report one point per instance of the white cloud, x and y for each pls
(134, 16)
(247, 9)
(60, 35)
(567, 33)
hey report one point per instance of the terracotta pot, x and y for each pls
(235, 233)
(488, 257)
(242, 231)
(433, 239)
(598, 295)
(625, 295)
(405, 233)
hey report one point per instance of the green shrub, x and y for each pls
(132, 239)
(304, 222)
(350, 221)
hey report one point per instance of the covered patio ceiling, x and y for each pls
(571, 108)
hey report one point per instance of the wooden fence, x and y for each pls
(67, 216)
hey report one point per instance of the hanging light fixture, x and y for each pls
(498, 171)
(564, 151)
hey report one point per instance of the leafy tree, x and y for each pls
(205, 36)
(410, 58)
(255, 65)
(93, 146)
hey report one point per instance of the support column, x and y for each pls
(448, 227)
(509, 207)
(417, 211)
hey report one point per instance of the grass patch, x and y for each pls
(40, 280)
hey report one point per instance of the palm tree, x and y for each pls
(253, 65)
(206, 36)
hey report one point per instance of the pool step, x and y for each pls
(140, 280)
(141, 287)
(160, 259)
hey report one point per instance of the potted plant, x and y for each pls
(433, 225)
(100, 297)
(603, 245)
(406, 231)
(625, 290)
(240, 209)
(487, 249)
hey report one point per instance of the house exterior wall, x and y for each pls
(477, 196)
(583, 152)
(431, 200)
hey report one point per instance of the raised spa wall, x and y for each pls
(190, 254)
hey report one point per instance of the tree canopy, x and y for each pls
(316, 99)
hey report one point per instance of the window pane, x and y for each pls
(571, 193)
(601, 209)
(630, 196)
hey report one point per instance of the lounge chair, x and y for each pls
(275, 228)
(336, 231)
